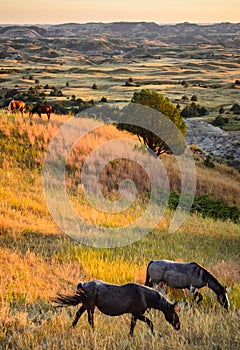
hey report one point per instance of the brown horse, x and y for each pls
(41, 109)
(16, 105)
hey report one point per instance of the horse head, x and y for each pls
(223, 298)
(172, 317)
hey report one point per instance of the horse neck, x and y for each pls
(159, 302)
(214, 285)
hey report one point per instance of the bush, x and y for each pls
(218, 121)
(208, 162)
(193, 110)
(184, 83)
(56, 92)
(235, 108)
(221, 110)
(208, 207)
(194, 98)
(11, 93)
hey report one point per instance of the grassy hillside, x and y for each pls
(37, 260)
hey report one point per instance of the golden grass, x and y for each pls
(37, 261)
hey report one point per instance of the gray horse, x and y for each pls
(185, 275)
(115, 300)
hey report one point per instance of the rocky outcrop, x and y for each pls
(222, 145)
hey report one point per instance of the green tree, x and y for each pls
(194, 98)
(193, 110)
(221, 110)
(103, 99)
(158, 102)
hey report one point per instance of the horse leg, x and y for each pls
(48, 114)
(146, 320)
(198, 295)
(90, 317)
(39, 114)
(133, 323)
(78, 315)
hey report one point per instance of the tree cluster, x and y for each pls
(193, 110)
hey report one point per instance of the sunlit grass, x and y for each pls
(37, 260)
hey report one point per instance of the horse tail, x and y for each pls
(10, 107)
(70, 300)
(148, 281)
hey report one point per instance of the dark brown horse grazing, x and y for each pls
(16, 105)
(115, 300)
(185, 275)
(41, 109)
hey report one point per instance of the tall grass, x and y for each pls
(37, 260)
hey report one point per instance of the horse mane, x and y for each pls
(165, 303)
(208, 275)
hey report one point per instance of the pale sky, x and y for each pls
(81, 11)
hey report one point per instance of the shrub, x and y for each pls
(55, 92)
(221, 110)
(11, 93)
(218, 121)
(184, 83)
(208, 207)
(194, 98)
(235, 108)
(193, 110)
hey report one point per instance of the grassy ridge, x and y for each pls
(37, 260)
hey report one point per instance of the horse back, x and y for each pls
(177, 274)
(16, 105)
(114, 300)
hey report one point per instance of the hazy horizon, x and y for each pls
(120, 21)
(108, 11)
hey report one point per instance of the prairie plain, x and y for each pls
(37, 260)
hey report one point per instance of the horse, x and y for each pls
(185, 275)
(115, 300)
(16, 105)
(41, 109)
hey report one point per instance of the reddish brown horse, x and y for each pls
(41, 109)
(16, 105)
